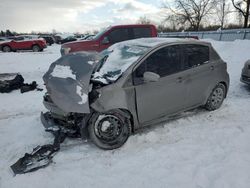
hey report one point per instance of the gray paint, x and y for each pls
(63, 90)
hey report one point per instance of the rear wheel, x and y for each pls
(35, 48)
(6, 49)
(216, 98)
(109, 130)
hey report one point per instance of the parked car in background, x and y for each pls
(136, 83)
(19, 43)
(110, 36)
(57, 39)
(88, 37)
(2, 39)
(79, 36)
(49, 39)
(68, 39)
(245, 75)
(29, 36)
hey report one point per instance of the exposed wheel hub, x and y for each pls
(108, 127)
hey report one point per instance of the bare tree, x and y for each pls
(242, 6)
(144, 20)
(222, 11)
(191, 11)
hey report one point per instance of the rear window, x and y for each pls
(195, 55)
(142, 32)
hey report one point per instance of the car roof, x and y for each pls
(132, 25)
(156, 41)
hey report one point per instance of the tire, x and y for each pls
(6, 49)
(36, 48)
(109, 130)
(216, 98)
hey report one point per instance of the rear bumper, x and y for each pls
(245, 79)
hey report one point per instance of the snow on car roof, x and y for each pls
(149, 42)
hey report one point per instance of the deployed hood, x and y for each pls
(67, 81)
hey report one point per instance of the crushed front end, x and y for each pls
(67, 99)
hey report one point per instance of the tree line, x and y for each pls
(195, 15)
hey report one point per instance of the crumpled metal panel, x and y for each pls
(67, 81)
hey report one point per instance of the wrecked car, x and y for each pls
(109, 95)
(245, 75)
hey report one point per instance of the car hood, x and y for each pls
(67, 81)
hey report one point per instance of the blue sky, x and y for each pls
(74, 15)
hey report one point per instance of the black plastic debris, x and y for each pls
(29, 87)
(13, 81)
(10, 82)
(41, 156)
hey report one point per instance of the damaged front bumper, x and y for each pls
(48, 121)
(56, 119)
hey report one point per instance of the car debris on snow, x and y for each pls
(13, 81)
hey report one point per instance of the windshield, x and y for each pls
(100, 34)
(116, 60)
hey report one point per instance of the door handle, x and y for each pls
(212, 67)
(179, 79)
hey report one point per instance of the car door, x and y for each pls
(200, 72)
(20, 43)
(114, 36)
(165, 96)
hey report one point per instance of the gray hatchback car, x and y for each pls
(132, 84)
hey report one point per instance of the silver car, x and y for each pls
(132, 84)
(245, 75)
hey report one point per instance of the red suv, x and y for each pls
(110, 36)
(20, 43)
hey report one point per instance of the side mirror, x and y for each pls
(150, 77)
(105, 40)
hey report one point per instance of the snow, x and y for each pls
(91, 62)
(84, 96)
(200, 149)
(61, 71)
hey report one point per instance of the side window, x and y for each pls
(142, 32)
(19, 38)
(195, 55)
(165, 61)
(118, 35)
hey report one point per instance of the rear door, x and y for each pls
(200, 72)
(168, 94)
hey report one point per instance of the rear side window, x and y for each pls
(195, 55)
(141, 32)
(118, 35)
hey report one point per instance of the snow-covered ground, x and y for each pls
(199, 150)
